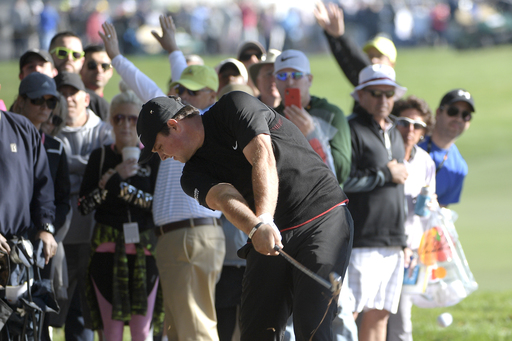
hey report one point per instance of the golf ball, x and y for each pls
(445, 319)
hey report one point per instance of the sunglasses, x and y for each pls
(92, 65)
(180, 89)
(246, 56)
(51, 103)
(453, 111)
(282, 76)
(379, 93)
(63, 53)
(406, 123)
(120, 119)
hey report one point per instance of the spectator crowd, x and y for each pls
(185, 244)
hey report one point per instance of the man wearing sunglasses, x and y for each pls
(249, 53)
(68, 56)
(318, 119)
(97, 69)
(376, 201)
(453, 117)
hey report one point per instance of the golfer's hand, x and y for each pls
(330, 18)
(168, 38)
(301, 118)
(49, 245)
(110, 40)
(4, 247)
(264, 240)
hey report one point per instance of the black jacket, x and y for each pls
(375, 202)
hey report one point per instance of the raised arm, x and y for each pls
(349, 56)
(142, 85)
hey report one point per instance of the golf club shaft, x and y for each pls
(302, 268)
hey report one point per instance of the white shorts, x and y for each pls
(375, 277)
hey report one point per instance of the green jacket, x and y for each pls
(340, 144)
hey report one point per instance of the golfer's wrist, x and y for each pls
(254, 229)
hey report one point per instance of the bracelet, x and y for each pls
(254, 229)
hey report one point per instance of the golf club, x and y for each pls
(335, 280)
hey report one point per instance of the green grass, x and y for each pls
(484, 221)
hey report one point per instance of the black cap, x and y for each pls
(41, 53)
(152, 117)
(71, 79)
(458, 95)
(37, 85)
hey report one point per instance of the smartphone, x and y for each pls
(292, 97)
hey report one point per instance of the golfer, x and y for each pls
(246, 160)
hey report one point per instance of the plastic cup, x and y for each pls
(131, 153)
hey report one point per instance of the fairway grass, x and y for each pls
(484, 223)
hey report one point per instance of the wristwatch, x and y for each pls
(48, 227)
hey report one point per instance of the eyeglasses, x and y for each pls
(379, 93)
(406, 123)
(63, 53)
(282, 76)
(92, 65)
(180, 89)
(51, 103)
(453, 111)
(120, 119)
(246, 56)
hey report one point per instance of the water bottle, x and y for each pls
(420, 208)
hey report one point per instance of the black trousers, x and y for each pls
(273, 288)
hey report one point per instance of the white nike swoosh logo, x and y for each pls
(236, 145)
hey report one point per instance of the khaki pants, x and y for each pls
(189, 261)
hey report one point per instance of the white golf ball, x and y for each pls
(445, 319)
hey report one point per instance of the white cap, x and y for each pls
(292, 59)
(378, 74)
(238, 64)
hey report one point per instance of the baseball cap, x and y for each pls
(266, 59)
(458, 95)
(71, 79)
(378, 74)
(36, 85)
(250, 45)
(293, 59)
(196, 77)
(384, 46)
(242, 70)
(152, 117)
(235, 87)
(45, 55)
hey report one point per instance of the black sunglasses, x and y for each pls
(51, 103)
(406, 123)
(180, 89)
(246, 56)
(92, 65)
(379, 93)
(453, 111)
(120, 119)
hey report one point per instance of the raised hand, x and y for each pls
(330, 18)
(110, 40)
(168, 38)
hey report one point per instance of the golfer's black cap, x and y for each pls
(458, 95)
(153, 115)
(71, 79)
(45, 55)
(37, 85)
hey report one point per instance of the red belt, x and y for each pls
(160, 230)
